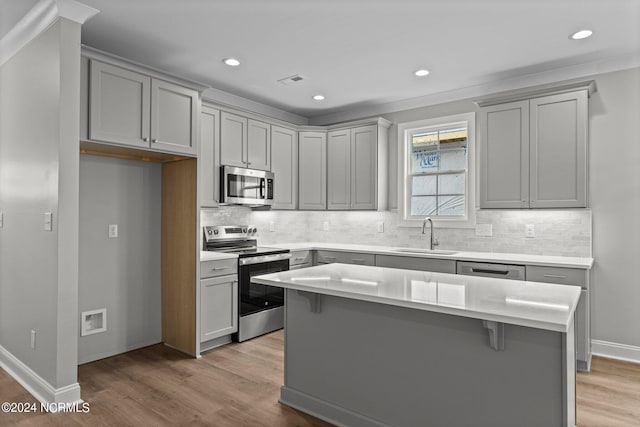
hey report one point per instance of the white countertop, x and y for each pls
(214, 256)
(551, 261)
(531, 304)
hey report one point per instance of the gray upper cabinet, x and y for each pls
(353, 175)
(233, 140)
(284, 164)
(534, 152)
(208, 159)
(559, 151)
(244, 143)
(312, 167)
(339, 169)
(119, 105)
(258, 145)
(504, 170)
(174, 118)
(132, 109)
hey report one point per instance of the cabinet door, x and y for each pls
(504, 167)
(174, 117)
(364, 162)
(218, 307)
(339, 169)
(233, 140)
(559, 151)
(312, 167)
(208, 160)
(119, 105)
(258, 145)
(284, 164)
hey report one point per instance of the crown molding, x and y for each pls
(38, 19)
(582, 71)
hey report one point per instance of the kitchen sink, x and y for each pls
(425, 251)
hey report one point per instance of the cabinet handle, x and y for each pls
(145, 139)
(154, 141)
(299, 258)
(219, 268)
(554, 276)
(248, 163)
(357, 260)
(330, 257)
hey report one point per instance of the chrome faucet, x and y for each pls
(432, 242)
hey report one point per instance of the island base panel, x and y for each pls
(360, 363)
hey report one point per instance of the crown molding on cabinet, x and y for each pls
(582, 71)
(38, 19)
(533, 92)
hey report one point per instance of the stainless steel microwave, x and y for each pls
(246, 186)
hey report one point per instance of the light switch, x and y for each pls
(325, 226)
(48, 221)
(113, 231)
(272, 226)
(380, 226)
(529, 231)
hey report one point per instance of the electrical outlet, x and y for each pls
(33, 339)
(48, 221)
(484, 230)
(380, 226)
(113, 231)
(272, 226)
(325, 226)
(529, 231)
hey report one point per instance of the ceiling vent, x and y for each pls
(291, 79)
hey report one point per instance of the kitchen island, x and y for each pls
(372, 346)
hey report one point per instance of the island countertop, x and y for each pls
(532, 304)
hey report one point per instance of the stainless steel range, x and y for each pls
(260, 307)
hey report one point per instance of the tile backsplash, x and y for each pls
(557, 232)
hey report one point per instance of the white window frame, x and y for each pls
(404, 169)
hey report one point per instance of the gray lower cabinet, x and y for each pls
(415, 263)
(328, 257)
(533, 152)
(135, 110)
(218, 302)
(209, 162)
(312, 170)
(575, 277)
(284, 164)
(218, 307)
(300, 259)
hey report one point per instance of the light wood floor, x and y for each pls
(239, 385)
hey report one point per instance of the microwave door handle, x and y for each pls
(262, 188)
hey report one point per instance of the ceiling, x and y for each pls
(357, 53)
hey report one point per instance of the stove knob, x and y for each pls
(215, 231)
(209, 231)
(244, 230)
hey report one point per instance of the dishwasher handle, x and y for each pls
(488, 271)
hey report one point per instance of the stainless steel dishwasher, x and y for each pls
(486, 269)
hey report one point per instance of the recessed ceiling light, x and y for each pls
(232, 62)
(422, 73)
(318, 97)
(582, 34)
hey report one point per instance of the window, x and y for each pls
(436, 178)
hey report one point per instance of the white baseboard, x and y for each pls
(614, 350)
(35, 384)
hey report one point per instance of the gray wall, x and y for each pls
(614, 178)
(121, 274)
(39, 122)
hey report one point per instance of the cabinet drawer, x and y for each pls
(300, 257)
(328, 257)
(560, 275)
(414, 263)
(220, 267)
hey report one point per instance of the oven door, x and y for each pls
(254, 297)
(246, 186)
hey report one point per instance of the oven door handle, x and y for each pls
(263, 258)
